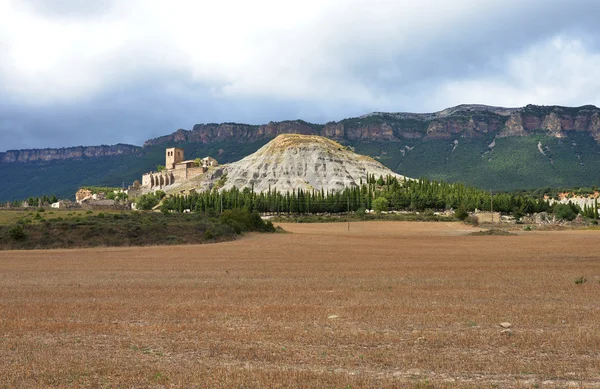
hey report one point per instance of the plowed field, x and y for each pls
(383, 305)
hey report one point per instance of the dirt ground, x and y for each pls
(382, 305)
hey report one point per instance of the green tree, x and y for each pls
(381, 204)
(160, 168)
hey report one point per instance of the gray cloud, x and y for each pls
(123, 72)
(70, 8)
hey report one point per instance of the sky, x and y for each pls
(77, 72)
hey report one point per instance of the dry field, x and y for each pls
(384, 305)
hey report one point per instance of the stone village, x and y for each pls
(176, 170)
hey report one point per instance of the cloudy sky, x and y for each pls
(77, 72)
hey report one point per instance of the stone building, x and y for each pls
(177, 169)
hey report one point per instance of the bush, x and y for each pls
(580, 280)
(17, 232)
(148, 201)
(461, 213)
(243, 220)
(360, 212)
(564, 212)
(472, 220)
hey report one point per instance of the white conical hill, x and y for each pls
(293, 161)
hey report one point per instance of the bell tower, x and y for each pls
(173, 156)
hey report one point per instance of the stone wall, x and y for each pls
(156, 180)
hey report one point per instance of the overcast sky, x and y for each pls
(78, 72)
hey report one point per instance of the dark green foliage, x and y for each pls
(564, 212)
(17, 232)
(243, 220)
(147, 201)
(461, 213)
(392, 194)
(514, 162)
(128, 229)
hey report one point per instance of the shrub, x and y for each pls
(472, 220)
(17, 232)
(208, 235)
(428, 212)
(360, 212)
(243, 220)
(564, 212)
(150, 200)
(580, 280)
(101, 215)
(461, 213)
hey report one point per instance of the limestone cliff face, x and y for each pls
(466, 121)
(513, 126)
(40, 155)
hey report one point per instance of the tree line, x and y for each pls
(385, 193)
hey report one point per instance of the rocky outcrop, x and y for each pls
(291, 162)
(513, 126)
(463, 121)
(40, 155)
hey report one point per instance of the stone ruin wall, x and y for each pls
(158, 180)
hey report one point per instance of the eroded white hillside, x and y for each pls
(293, 161)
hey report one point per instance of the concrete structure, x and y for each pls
(177, 169)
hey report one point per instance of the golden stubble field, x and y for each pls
(384, 305)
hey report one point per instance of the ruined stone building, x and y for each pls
(177, 169)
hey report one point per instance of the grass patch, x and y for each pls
(125, 228)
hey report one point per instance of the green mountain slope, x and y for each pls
(489, 147)
(64, 177)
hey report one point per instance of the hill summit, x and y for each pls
(294, 161)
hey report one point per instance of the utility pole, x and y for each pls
(348, 211)
(492, 205)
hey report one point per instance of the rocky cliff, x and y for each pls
(467, 121)
(79, 152)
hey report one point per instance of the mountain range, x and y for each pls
(490, 147)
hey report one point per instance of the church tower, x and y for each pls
(174, 155)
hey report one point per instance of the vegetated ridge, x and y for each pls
(291, 162)
(490, 147)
